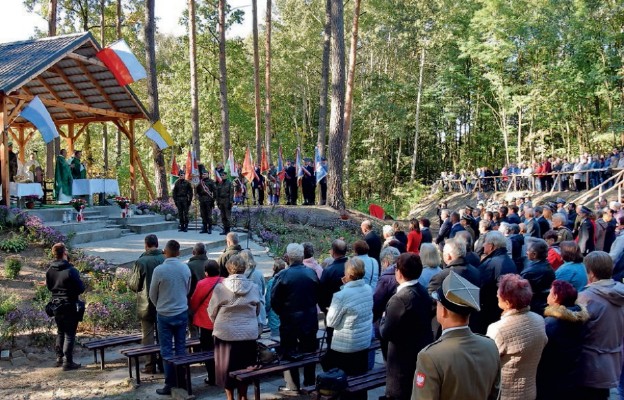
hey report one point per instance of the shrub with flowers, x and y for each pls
(163, 207)
(110, 310)
(39, 232)
(122, 202)
(142, 206)
(78, 203)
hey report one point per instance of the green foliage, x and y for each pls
(12, 267)
(8, 303)
(14, 244)
(42, 295)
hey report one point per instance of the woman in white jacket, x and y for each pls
(351, 316)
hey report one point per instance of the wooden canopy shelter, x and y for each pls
(76, 88)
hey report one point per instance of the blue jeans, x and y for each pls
(172, 329)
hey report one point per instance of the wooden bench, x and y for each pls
(182, 364)
(283, 365)
(372, 379)
(145, 350)
(102, 344)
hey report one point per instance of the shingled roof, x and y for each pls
(73, 84)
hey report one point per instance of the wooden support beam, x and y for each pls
(87, 60)
(13, 135)
(132, 162)
(16, 110)
(71, 84)
(71, 139)
(53, 93)
(21, 143)
(148, 184)
(77, 107)
(30, 135)
(4, 151)
(97, 85)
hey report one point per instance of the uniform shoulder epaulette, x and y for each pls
(432, 344)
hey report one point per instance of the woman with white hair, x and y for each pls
(431, 261)
(388, 234)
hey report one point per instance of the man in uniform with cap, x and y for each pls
(461, 364)
(224, 201)
(206, 193)
(291, 183)
(585, 236)
(308, 183)
(182, 197)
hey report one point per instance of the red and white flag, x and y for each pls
(122, 62)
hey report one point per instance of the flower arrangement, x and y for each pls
(78, 204)
(122, 202)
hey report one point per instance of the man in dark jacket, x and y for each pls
(372, 240)
(182, 196)
(331, 279)
(140, 281)
(232, 248)
(63, 280)
(456, 226)
(453, 256)
(406, 327)
(425, 231)
(294, 298)
(445, 228)
(495, 264)
(539, 273)
(308, 183)
(586, 232)
(543, 223)
(532, 227)
(385, 289)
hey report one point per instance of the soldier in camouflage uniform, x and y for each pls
(224, 201)
(182, 197)
(206, 193)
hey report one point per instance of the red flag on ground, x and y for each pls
(264, 163)
(248, 168)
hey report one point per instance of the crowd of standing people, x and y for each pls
(562, 173)
(531, 297)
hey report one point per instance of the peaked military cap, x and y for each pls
(458, 295)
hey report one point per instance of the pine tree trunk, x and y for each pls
(417, 117)
(152, 98)
(335, 197)
(54, 147)
(322, 126)
(350, 84)
(267, 81)
(194, 92)
(225, 109)
(256, 62)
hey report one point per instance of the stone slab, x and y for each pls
(125, 250)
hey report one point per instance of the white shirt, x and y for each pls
(455, 328)
(406, 284)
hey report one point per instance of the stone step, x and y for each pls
(124, 251)
(96, 235)
(86, 225)
(126, 232)
(137, 219)
(153, 227)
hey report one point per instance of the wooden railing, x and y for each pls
(528, 183)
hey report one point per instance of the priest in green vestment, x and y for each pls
(78, 169)
(62, 179)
